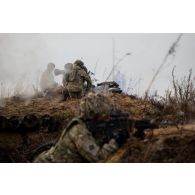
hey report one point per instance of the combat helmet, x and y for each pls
(81, 65)
(68, 66)
(95, 104)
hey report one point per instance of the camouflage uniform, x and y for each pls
(47, 82)
(75, 81)
(76, 143)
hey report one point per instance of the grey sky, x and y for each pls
(30, 53)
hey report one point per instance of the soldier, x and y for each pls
(47, 82)
(67, 69)
(75, 81)
(80, 64)
(76, 143)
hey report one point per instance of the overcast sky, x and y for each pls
(28, 54)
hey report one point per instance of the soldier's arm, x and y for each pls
(87, 146)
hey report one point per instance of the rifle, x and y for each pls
(118, 127)
(139, 125)
(115, 127)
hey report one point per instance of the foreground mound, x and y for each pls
(174, 147)
(163, 145)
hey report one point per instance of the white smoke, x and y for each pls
(29, 54)
(120, 79)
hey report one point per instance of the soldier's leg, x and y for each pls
(79, 95)
(75, 95)
(66, 94)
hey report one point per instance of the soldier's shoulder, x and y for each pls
(75, 122)
(83, 72)
(77, 130)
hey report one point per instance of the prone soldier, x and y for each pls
(77, 142)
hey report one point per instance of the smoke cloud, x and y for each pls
(23, 57)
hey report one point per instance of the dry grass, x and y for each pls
(133, 151)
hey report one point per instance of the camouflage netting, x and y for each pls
(163, 145)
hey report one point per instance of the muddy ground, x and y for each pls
(170, 144)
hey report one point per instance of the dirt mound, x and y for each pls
(40, 107)
(162, 145)
(175, 148)
(136, 107)
(49, 116)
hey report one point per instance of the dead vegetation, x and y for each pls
(166, 144)
(183, 97)
(178, 105)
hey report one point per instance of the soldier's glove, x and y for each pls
(121, 137)
(140, 134)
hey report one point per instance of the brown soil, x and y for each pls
(162, 145)
(168, 145)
